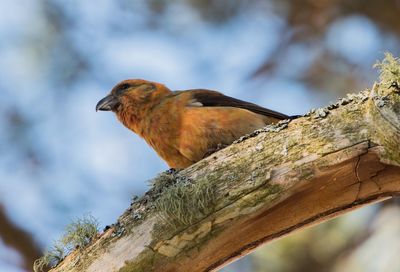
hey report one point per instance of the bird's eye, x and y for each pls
(124, 86)
(121, 88)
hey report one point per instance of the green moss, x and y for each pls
(142, 263)
(185, 202)
(261, 196)
(389, 69)
(306, 173)
(77, 234)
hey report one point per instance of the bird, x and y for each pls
(184, 126)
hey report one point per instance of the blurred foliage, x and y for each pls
(306, 26)
(336, 245)
(315, 249)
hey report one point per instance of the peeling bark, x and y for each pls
(266, 185)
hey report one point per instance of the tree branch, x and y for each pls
(17, 238)
(266, 185)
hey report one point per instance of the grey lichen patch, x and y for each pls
(350, 98)
(117, 230)
(77, 235)
(197, 234)
(380, 101)
(343, 127)
(389, 71)
(80, 233)
(158, 185)
(163, 181)
(321, 113)
(185, 202)
(142, 206)
(50, 258)
(270, 128)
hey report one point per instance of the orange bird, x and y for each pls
(184, 126)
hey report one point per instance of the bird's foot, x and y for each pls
(215, 149)
(173, 171)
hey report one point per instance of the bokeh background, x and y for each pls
(59, 159)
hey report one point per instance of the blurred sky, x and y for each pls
(59, 159)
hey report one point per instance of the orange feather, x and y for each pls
(184, 126)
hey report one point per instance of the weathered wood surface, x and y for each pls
(265, 186)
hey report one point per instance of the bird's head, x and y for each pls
(134, 93)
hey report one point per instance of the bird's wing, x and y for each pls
(204, 128)
(208, 98)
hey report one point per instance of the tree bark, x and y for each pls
(264, 186)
